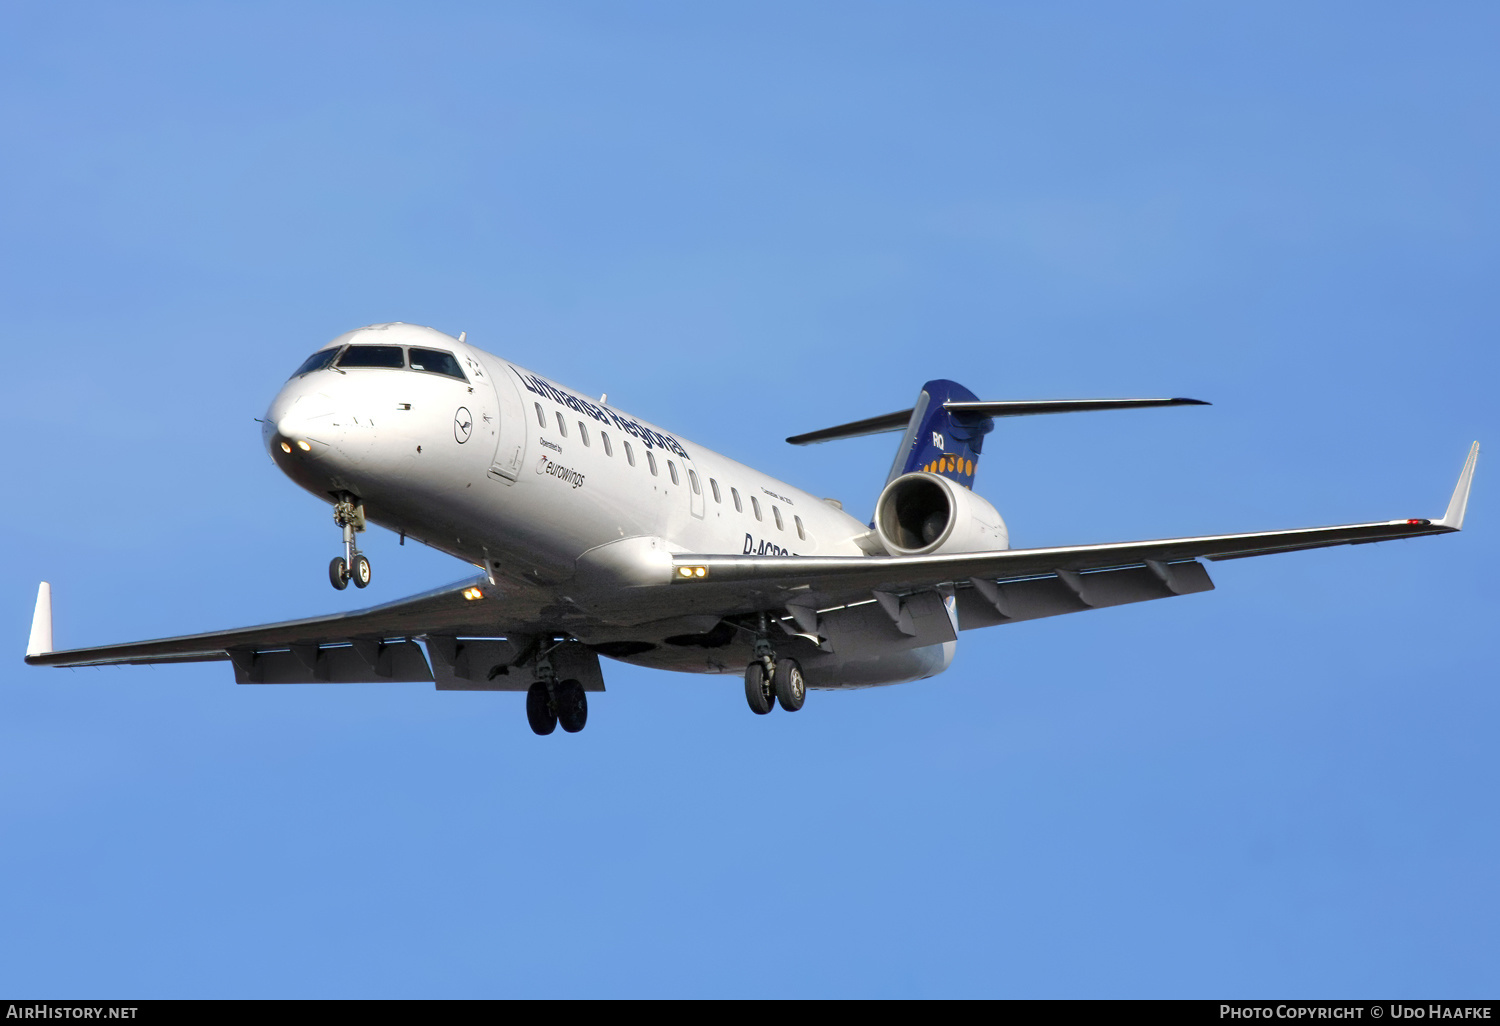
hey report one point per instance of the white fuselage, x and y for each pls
(526, 478)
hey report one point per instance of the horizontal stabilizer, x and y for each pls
(898, 420)
(1031, 409)
(869, 426)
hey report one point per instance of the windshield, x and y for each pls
(437, 362)
(317, 361)
(373, 356)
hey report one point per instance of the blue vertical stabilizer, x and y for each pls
(942, 441)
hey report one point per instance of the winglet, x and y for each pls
(1454, 518)
(41, 623)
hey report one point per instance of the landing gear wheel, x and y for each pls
(572, 705)
(361, 573)
(790, 688)
(539, 711)
(758, 690)
(338, 573)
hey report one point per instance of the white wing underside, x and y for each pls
(378, 643)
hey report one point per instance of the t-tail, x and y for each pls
(945, 429)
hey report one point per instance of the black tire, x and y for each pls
(338, 573)
(539, 711)
(790, 688)
(361, 572)
(758, 689)
(572, 706)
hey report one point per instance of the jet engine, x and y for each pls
(921, 514)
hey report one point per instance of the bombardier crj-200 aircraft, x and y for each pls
(600, 534)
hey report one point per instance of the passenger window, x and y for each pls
(800, 532)
(608, 449)
(776, 512)
(672, 469)
(373, 356)
(541, 418)
(651, 461)
(583, 433)
(714, 486)
(562, 426)
(755, 507)
(317, 361)
(629, 453)
(436, 361)
(734, 493)
(693, 480)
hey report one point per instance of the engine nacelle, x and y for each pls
(920, 514)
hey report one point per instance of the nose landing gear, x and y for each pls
(352, 565)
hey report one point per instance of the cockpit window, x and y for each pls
(436, 361)
(317, 361)
(373, 356)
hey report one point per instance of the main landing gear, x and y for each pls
(769, 679)
(352, 565)
(551, 701)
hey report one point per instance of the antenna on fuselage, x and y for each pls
(462, 335)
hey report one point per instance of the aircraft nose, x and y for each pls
(296, 423)
(291, 432)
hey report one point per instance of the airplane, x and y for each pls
(596, 533)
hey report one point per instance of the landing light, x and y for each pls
(473, 593)
(285, 447)
(304, 447)
(689, 572)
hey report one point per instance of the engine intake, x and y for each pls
(920, 514)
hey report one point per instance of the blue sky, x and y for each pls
(744, 221)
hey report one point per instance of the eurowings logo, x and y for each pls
(545, 465)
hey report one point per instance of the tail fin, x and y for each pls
(940, 440)
(945, 430)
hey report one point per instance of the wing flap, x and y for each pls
(988, 603)
(332, 664)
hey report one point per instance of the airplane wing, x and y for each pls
(460, 624)
(367, 644)
(736, 584)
